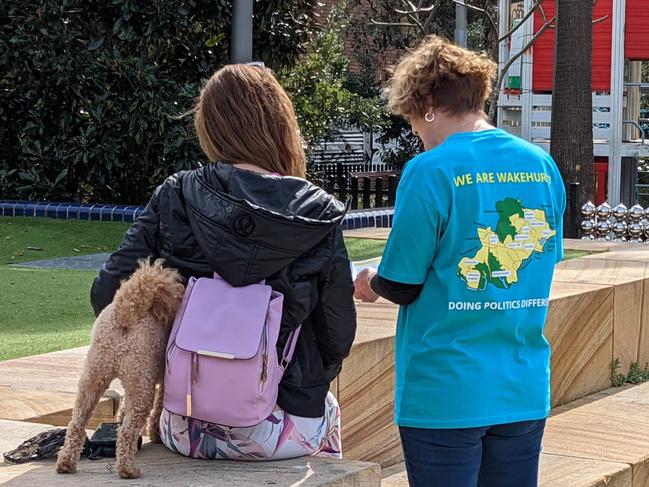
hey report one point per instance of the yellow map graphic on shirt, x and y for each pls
(519, 233)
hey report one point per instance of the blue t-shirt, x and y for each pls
(478, 222)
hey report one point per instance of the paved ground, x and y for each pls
(92, 262)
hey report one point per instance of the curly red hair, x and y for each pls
(442, 75)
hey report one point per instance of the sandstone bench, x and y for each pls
(598, 312)
(162, 468)
(42, 389)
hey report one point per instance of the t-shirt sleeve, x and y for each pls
(414, 237)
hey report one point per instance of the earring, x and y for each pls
(430, 117)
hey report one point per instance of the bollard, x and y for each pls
(392, 190)
(354, 191)
(572, 227)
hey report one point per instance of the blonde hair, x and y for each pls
(441, 75)
(243, 115)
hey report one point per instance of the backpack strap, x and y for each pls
(289, 348)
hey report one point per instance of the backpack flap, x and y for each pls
(223, 321)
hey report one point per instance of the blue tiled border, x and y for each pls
(70, 211)
(381, 218)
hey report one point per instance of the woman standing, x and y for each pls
(477, 232)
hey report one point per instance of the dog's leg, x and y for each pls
(94, 381)
(139, 394)
(153, 422)
(123, 406)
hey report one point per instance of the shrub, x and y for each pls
(317, 86)
(91, 90)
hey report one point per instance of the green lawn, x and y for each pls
(363, 249)
(46, 310)
(43, 310)
(25, 239)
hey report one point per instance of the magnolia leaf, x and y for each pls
(95, 44)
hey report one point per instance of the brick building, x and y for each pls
(385, 59)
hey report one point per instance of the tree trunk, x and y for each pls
(572, 110)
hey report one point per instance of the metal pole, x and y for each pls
(241, 47)
(503, 51)
(527, 101)
(460, 25)
(617, 103)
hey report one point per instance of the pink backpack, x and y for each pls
(222, 364)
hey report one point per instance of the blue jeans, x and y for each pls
(505, 455)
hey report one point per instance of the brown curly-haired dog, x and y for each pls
(129, 339)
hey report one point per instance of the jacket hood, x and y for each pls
(249, 225)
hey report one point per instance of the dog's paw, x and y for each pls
(126, 468)
(128, 471)
(65, 464)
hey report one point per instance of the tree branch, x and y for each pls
(601, 19)
(525, 48)
(414, 9)
(415, 18)
(545, 19)
(551, 24)
(513, 59)
(527, 16)
(408, 5)
(412, 14)
(483, 11)
(434, 8)
(392, 24)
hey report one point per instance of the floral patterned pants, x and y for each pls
(279, 436)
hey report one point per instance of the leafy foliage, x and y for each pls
(637, 374)
(380, 35)
(618, 379)
(91, 91)
(409, 145)
(317, 88)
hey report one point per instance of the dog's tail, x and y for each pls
(152, 290)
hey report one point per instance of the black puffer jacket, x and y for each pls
(248, 227)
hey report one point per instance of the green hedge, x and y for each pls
(90, 91)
